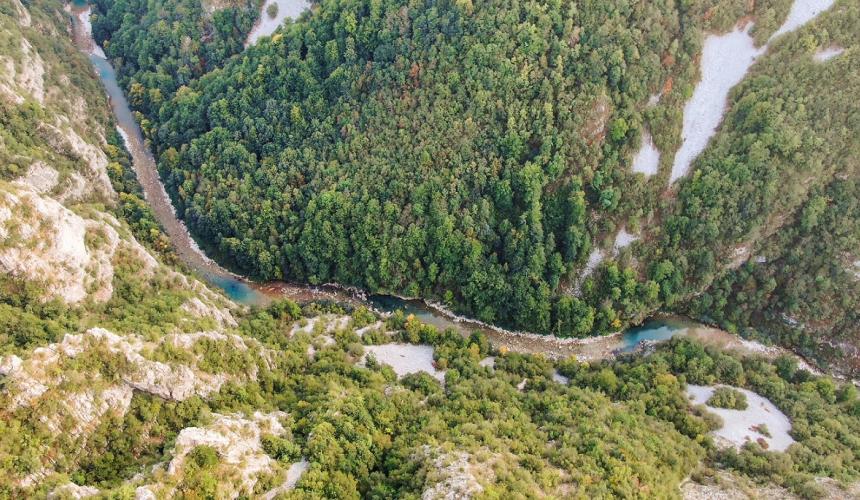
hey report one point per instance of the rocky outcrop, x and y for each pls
(72, 490)
(451, 476)
(210, 7)
(34, 69)
(73, 256)
(200, 309)
(93, 181)
(725, 485)
(330, 323)
(294, 473)
(25, 78)
(87, 408)
(40, 177)
(56, 233)
(46, 374)
(41, 240)
(238, 441)
(24, 19)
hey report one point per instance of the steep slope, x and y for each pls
(66, 250)
(52, 109)
(773, 196)
(802, 286)
(293, 411)
(68, 262)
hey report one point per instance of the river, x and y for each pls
(246, 292)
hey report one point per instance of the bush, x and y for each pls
(281, 449)
(762, 429)
(726, 397)
(204, 457)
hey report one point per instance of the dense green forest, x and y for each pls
(447, 150)
(804, 287)
(165, 45)
(780, 185)
(476, 153)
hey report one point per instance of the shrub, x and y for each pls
(203, 456)
(762, 429)
(280, 448)
(726, 397)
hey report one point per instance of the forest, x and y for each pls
(778, 187)
(477, 154)
(374, 154)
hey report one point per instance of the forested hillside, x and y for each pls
(478, 153)
(123, 377)
(166, 45)
(452, 150)
(768, 226)
(803, 286)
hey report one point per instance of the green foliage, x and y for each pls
(619, 428)
(726, 397)
(132, 207)
(806, 290)
(222, 357)
(145, 305)
(778, 181)
(468, 166)
(200, 478)
(162, 46)
(27, 321)
(823, 429)
(481, 166)
(119, 448)
(762, 429)
(203, 457)
(269, 324)
(281, 449)
(471, 152)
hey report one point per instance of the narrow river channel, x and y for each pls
(245, 292)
